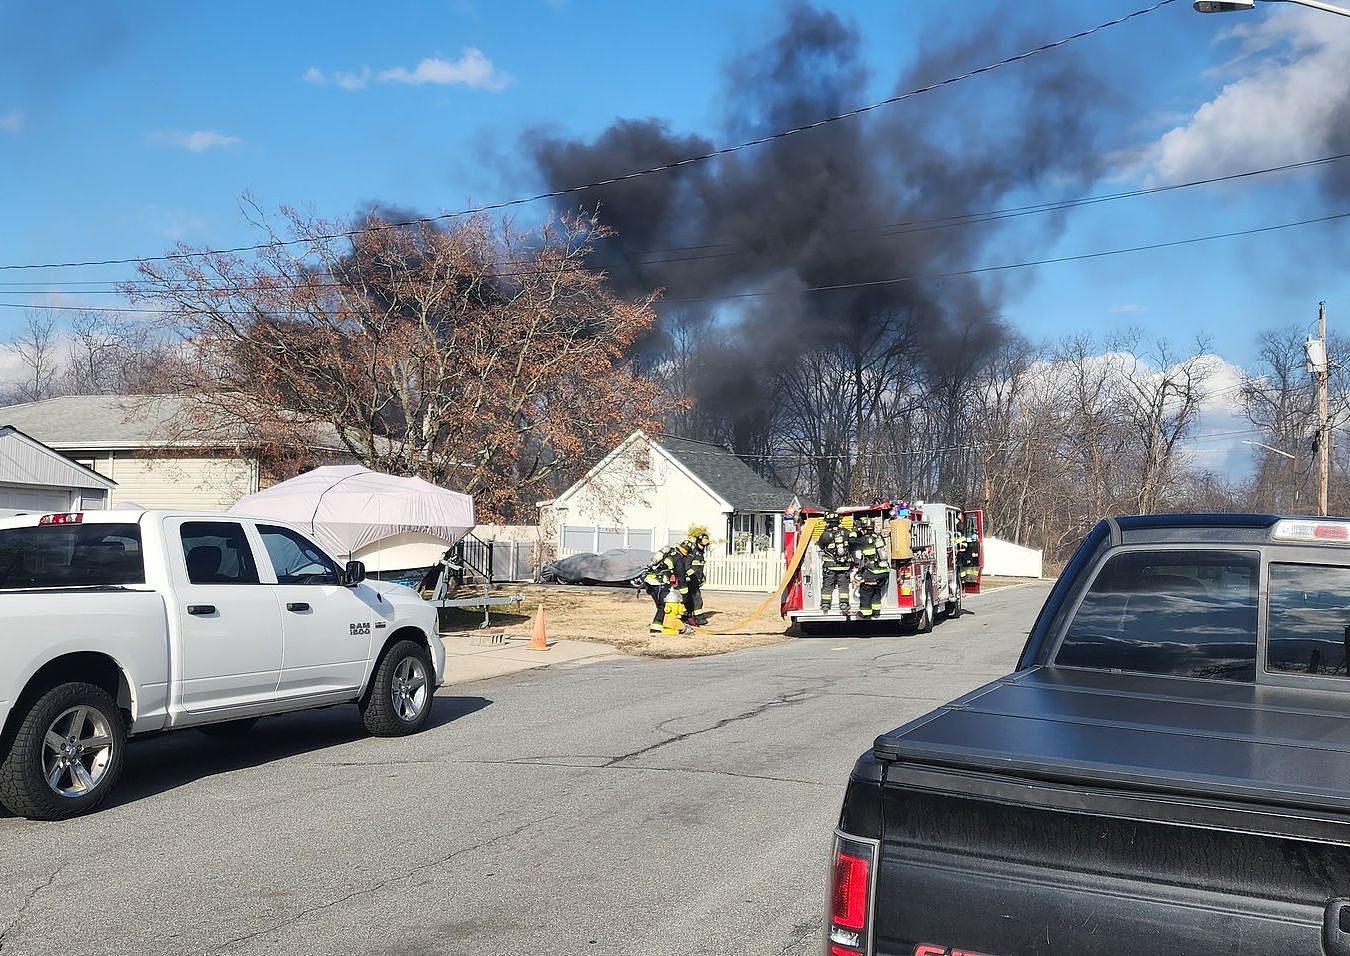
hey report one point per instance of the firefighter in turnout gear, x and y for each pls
(697, 543)
(836, 562)
(666, 581)
(872, 554)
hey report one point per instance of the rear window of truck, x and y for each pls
(1173, 613)
(71, 556)
(1309, 619)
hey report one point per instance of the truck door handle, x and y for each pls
(297, 606)
(201, 610)
(1336, 928)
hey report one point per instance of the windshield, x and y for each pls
(71, 555)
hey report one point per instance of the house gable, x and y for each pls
(27, 461)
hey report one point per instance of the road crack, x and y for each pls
(28, 901)
(782, 700)
(563, 762)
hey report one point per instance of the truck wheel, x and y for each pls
(67, 754)
(953, 608)
(399, 699)
(923, 624)
(229, 728)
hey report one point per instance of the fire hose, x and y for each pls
(810, 530)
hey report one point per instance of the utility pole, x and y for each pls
(1319, 366)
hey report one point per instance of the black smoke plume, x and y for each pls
(839, 204)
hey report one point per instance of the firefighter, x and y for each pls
(697, 544)
(871, 552)
(836, 562)
(969, 559)
(666, 581)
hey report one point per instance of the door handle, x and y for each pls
(1336, 928)
(201, 610)
(297, 606)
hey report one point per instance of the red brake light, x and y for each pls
(1334, 532)
(848, 907)
(73, 517)
(850, 895)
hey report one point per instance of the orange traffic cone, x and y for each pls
(538, 639)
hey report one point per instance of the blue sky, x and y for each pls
(133, 126)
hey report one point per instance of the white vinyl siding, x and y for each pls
(196, 484)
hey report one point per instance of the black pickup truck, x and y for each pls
(1166, 772)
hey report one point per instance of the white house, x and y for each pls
(35, 478)
(647, 492)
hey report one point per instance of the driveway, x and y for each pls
(620, 807)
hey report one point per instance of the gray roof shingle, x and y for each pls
(727, 474)
(96, 422)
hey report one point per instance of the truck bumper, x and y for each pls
(834, 617)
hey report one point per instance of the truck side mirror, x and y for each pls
(353, 574)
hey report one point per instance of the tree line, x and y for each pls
(501, 362)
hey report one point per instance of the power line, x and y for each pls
(999, 215)
(635, 174)
(963, 273)
(958, 274)
(902, 228)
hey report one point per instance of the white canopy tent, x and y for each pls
(350, 509)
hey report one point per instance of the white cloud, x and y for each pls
(12, 121)
(1129, 308)
(1289, 85)
(473, 69)
(196, 141)
(357, 80)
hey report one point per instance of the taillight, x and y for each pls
(73, 517)
(851, 876)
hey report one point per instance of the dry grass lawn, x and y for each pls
(619, 617)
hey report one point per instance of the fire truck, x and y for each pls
(936, 557)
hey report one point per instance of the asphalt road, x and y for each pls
(627, 807)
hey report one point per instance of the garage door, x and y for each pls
(33, 499)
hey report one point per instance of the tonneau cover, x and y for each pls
(1283, 746)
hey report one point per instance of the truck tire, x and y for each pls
(953, 607)
(923, 622)
(66, 755)
(229, 728)
(399, 699)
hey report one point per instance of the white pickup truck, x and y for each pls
(116, 623)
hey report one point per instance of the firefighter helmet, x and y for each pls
(831, 517)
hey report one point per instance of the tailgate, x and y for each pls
(1077, 812)
(988, 876)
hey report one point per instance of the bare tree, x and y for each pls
(478, 356)
(1160, 396)
(109, 354)
(38, 349)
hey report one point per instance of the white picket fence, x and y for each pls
(744, 572)
(735, 572)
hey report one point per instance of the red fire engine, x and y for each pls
(936, 556)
